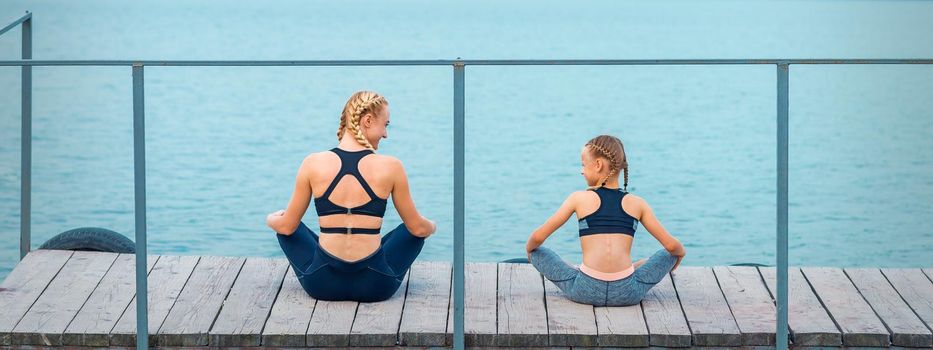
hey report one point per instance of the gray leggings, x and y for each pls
(582, 288)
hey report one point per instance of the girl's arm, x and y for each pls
(553, 223)
(401, 197)
(653, 225)
(286, 221)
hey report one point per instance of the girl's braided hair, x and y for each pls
(610, 148)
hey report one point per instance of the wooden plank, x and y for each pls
(521, 311)
(246, 308)
(905, 327)
(569, 323)
(48, 318)
(376, 324)
(24, 284)
(425, 314)
(859, 324)
(916, 289)
(705, 307)
(331, 323)
(92, 325)
(664, 317)
(291, 314)
(166, 280)
(809, 323)
(479, 306)
(622, 326)
(190, 319)
(751, 305)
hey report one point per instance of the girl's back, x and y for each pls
(608, 217)
(606, 251)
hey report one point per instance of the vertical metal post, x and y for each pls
(458, 204)
(25, 204)
(782, 149)
(139, 162)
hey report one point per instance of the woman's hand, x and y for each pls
(433, 226)
(272, 217)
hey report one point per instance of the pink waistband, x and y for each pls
(607, 276)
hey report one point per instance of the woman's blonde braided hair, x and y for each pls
(610, 148)
(360, 103)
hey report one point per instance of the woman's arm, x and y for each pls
(553, 223)
(653, 225)
(286, 222)
(401, 197)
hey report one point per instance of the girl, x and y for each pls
(608, 217)
(350, 185)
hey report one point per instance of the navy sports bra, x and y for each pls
(349, 165)
(609, 217)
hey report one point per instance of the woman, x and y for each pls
(350, 185)
(608, 217)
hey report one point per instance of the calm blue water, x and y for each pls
(223, 144)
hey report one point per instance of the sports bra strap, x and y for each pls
(350, 167)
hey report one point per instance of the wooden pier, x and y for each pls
(65, 298)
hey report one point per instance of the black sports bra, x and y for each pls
(609, 217)
(349, 164)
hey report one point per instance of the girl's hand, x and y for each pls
(530, 246)
(677, 263)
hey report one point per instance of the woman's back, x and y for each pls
(347, 184)
(350, 186)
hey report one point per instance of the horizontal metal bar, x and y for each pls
(607, 62)
(676, 62)
(228, 63)
(15, 23)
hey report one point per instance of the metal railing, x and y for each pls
(782, 73)
(26, 137)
